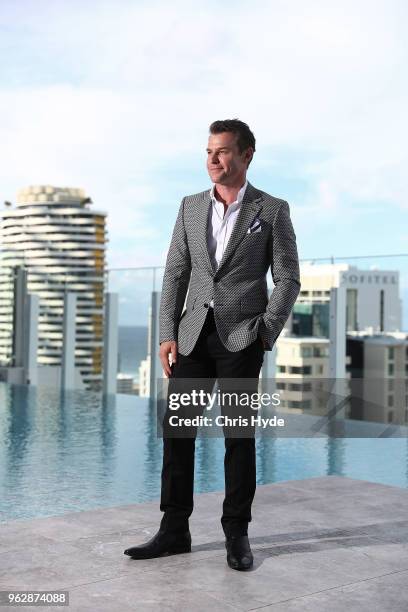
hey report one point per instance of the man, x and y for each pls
(223, 243)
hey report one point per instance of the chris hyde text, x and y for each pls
(222, 420)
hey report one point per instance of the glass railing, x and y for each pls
(375, 310)
(138, 292)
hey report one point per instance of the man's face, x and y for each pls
(225, 164)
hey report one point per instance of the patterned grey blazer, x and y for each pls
(238, 286)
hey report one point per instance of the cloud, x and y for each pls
(116, 98)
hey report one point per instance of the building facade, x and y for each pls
(379, 365)
(372, 299)
(55, 235)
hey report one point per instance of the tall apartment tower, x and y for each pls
(60, 240)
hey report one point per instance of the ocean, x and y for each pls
(132, 349)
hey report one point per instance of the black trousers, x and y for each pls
(210, 361)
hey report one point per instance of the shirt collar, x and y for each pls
(240, 195)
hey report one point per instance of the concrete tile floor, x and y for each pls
(329, 543)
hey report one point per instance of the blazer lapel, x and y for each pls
(250, 207)
(202, 224)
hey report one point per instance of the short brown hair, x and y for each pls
(245, 136)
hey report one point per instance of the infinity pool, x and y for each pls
(75, 451)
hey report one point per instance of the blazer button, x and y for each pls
(206, 305)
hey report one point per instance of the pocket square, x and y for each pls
(255, 227)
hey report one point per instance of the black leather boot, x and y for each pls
(239, 555)
(160, 544)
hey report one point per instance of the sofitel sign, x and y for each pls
(372, 278)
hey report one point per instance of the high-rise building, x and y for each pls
(372, 299)
(60, 240)
(379, 363)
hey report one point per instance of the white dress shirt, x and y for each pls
(220, 226)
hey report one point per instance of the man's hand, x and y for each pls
(167, 348)
(263, 343)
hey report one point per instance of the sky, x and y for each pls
(116, 97)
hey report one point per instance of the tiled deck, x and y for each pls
(328, 544)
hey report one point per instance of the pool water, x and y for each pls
(72, 451)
